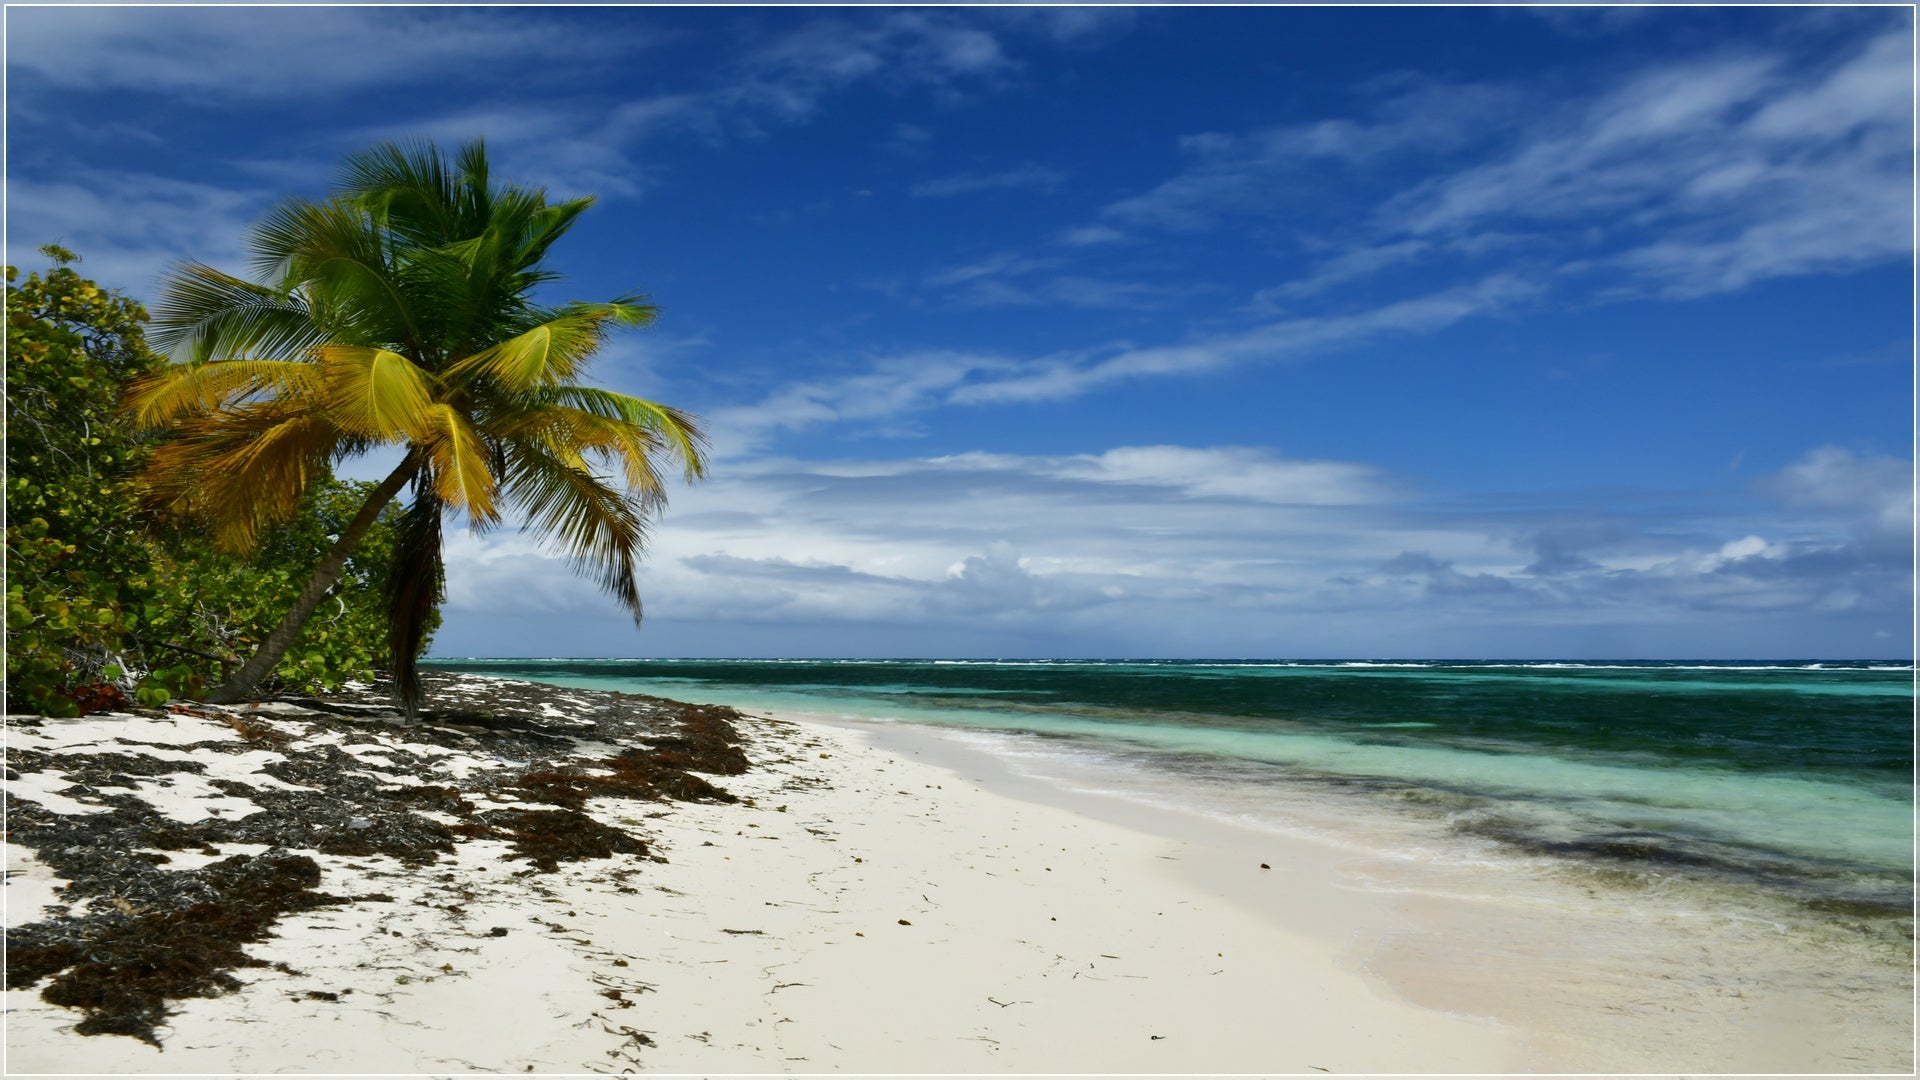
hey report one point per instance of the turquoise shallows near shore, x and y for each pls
(1792, 781)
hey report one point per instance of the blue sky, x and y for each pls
(1133, 331)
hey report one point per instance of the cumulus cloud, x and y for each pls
(1873, 492)
(1237, 551)
(1440, 578)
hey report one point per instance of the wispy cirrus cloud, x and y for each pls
(1236, 175)
(1711, 175)
(791, 73)
(1270, 342)
(282, 52)
(1024, 177)
(129, 227)
(890, 390)
(1020, 279)
(1679, 178)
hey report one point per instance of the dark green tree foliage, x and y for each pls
(102, 602)
(76, 572)
(221, 606)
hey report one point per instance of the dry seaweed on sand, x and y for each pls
(136, 934)
(121, 972)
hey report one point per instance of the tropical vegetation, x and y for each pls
(403, 312)
(105, 604)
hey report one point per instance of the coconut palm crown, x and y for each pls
(400, 312)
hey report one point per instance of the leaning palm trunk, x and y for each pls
(413, 588)
(241, 686)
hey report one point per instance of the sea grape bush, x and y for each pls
(104, 604)
(75, 570)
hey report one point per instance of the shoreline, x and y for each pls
(1582, 978)
(886, 899)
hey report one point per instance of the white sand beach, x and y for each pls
(880, 901)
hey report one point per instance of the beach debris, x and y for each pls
(137, 932)
(904, 922)
(123, 972)
(1264, 866)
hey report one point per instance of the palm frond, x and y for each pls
(545, 226)
(240, 470)
(458, 455)
(569, 434)
(160, 397)
(600, 531)
(204, 314)
(376, 393)
(545, 355)
(343, 266)
(299, 234)
(679, 432)
(409, 187)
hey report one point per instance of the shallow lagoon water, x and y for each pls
(1791, 780)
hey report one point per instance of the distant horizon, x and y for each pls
(1801, 661)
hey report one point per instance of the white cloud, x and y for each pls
(1234, 175)
(1089, 235)
(1073, 24)
(1873, 493)
(1157, 548)
(1025, 177)
(998, 265)
(269, 52)
(1350, 265)
(1678, 179)
(1282, 340)
(890, 389)
(792, 74)
(1234, 472)
(1707, 175)
(129, 227)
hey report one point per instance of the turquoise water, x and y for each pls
(1793, 778)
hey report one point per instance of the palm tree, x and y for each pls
(400, 312)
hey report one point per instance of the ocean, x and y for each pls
(1784, 787)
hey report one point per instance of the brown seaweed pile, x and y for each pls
(135, 935)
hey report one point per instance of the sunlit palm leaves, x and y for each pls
(401, 312)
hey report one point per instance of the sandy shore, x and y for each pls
(878, 901)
